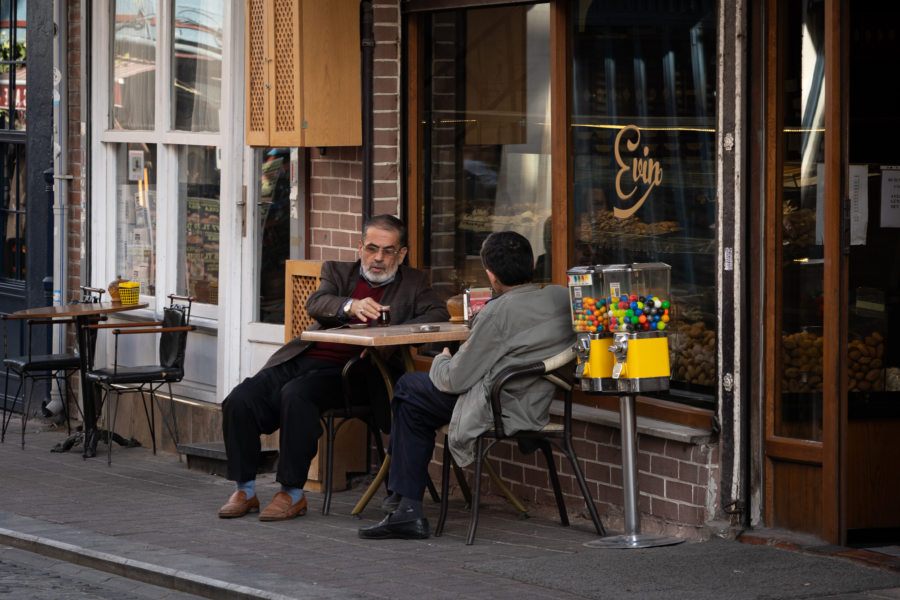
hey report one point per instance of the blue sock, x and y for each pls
(294, 493)
(248, 487)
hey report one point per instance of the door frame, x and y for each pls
(829, 454)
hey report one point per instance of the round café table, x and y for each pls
(82, 313)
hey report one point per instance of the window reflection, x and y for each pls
(643, 128)
(133, 86)
(13, 82)
(199, 179)
(136, 214)
(274, 234)
(197, 64)
(487, 137)
(12, 210)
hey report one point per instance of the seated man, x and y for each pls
(522, 324)
(303, 378)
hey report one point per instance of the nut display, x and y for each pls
(865, 366)
(802, 363)
(692, 348)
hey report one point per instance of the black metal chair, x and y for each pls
(147, 379)
(35, 367)
(557, 434)
(356, 377)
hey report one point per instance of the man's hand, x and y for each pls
(446, 351)
(365, 309)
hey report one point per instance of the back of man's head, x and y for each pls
(389, 223)
(508, 256)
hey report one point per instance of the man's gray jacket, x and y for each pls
(524, 325)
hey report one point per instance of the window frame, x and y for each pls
(168, 141)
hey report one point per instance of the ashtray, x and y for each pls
(426, 328)
(358, 325)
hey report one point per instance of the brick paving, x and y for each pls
(151, 519)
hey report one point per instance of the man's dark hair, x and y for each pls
(388, 222)
(508, 256)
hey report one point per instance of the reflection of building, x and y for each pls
(773, 312)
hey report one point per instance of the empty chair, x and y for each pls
(559, 435)
(147, 379)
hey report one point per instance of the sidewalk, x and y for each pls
(151, 519)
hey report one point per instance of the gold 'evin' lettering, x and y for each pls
(643, 170)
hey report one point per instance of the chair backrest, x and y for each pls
(550, 369)
(172, 344)
(301, 279)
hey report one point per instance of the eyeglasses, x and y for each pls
(372, 250)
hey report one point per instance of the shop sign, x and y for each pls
(20, 96)
(637, 170)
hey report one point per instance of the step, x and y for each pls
(210, 457)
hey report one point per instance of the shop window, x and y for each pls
(197, 64)
(486, 132)
(159, 170)
(644, 161)
(198, 214)
(136, 214)
(133, 86)
(13, 207)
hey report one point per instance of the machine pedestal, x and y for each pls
(632, 538)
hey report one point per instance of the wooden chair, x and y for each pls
(301, 280)
(560, 435)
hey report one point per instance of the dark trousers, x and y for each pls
(419, 409)
(290, 396)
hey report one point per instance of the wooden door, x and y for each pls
(802, 290)
(831, 289)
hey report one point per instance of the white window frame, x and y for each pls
(167, 141)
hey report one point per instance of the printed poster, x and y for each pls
(890, 196)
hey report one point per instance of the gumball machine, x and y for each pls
(639, 308)
(620, 314)
(590, 320)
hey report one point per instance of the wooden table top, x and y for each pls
(395, 335)
(75, 310)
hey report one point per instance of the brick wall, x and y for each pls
(673, 479)
(335, 201)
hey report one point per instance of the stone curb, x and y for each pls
(179, 580)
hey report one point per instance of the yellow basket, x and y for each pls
(129, 292)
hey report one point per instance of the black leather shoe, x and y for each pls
(416, 529)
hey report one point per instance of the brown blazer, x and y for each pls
(411, 298)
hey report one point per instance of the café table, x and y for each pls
(405, 336)
(82, 313)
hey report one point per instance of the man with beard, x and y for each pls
(302, 379)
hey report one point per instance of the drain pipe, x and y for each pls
(367, 49)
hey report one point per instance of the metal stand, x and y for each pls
(632, 538)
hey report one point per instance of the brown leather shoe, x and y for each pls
(239, 505)
(281, 508)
